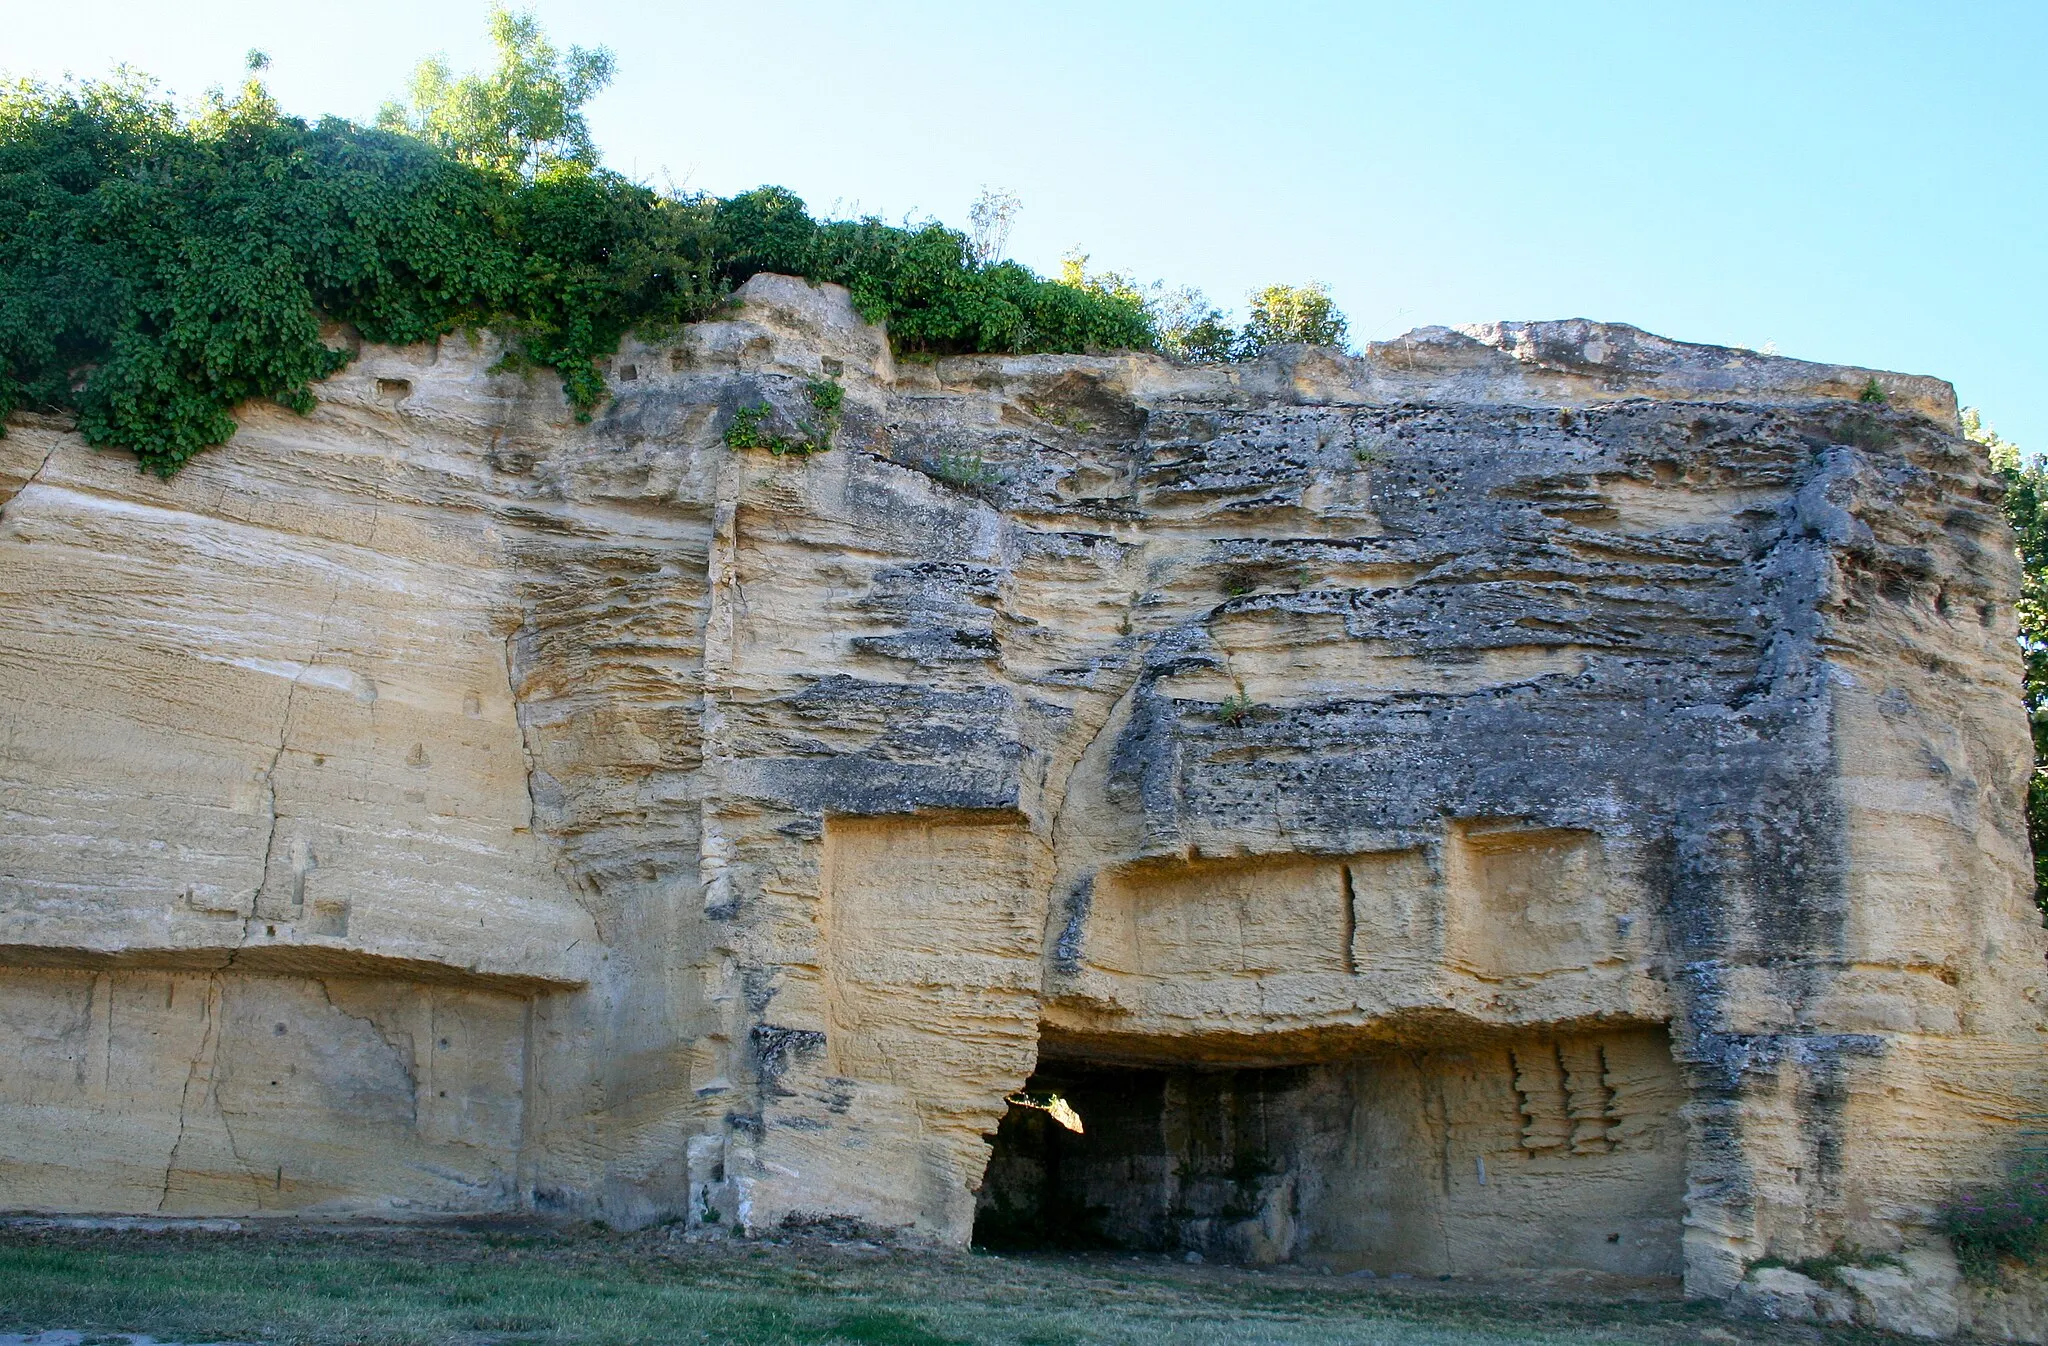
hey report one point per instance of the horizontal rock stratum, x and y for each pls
(1538, 795)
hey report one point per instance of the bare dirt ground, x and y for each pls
(95, 1284)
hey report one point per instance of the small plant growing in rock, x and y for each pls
(829, 397)
(968, 471)
(1367, 456)
(1236, 708)
(1873, 391)
(1827, 1268)
(745, 430)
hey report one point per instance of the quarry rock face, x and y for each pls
(1531, 796)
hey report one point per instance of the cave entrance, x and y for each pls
(1152, 1160)
(1545, 1151)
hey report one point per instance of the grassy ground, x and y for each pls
(557, 1287)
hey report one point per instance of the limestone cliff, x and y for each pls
(1532, 795)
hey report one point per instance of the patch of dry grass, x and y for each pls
(581, 1287)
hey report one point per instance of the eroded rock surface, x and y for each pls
(1540, 795)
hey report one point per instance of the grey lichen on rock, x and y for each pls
(1531, 795)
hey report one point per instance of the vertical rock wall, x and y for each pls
(439, 805)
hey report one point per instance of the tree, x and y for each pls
(523, 117)
(2026, 507)
(1190, 327)
(1285, 314)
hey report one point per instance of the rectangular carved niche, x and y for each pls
(933, 929)
(1224, 918)
(1526, 901)
(224, 1093)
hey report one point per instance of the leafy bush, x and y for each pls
(157, 270)
(2008, 1220)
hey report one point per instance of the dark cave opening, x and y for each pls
(1537, 1150)
(1166, 1160)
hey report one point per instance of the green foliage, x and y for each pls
(1283, 314)
(1190, 328)
(1114, 285)
(1827, 1269)
(525, 116)
(158, 270)
(155, 271)
(2026, 507)
(1236, 708)
(2005, 1220)
(924, 281)
(747, 431)
(744, 430)
(828, 396)
(968, 471)
(1873, 391)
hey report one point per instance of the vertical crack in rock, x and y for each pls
(519, 717)
(202, 1061)
(1350, 931)
(284, 728)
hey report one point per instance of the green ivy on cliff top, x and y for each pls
(157, 270)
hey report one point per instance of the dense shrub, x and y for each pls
(157, 270)
(1191, 328)
(925, 282)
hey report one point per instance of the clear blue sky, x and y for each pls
(1862, 183)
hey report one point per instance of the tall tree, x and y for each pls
(1284, 314)
(522, 117)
